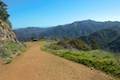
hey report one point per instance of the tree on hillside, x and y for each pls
(4, 13)
(94, 44)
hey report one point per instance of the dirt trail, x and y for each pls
(36, 64)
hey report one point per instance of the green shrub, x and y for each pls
(78, 44)
(98, 59)
(105, 62)
(11, 49)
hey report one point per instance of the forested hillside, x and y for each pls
(106, 39)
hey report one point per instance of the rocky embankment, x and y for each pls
(9, 46)
(6, 33)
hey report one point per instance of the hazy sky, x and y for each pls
(44, 13)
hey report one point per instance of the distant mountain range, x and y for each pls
(72, 31)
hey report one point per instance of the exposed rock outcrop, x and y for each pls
(6, 33)
(9, 46)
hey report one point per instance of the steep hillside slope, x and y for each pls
(9, 46)
(107, 39)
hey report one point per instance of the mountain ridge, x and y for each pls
(72, 30)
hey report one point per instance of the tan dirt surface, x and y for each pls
(36, 64)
